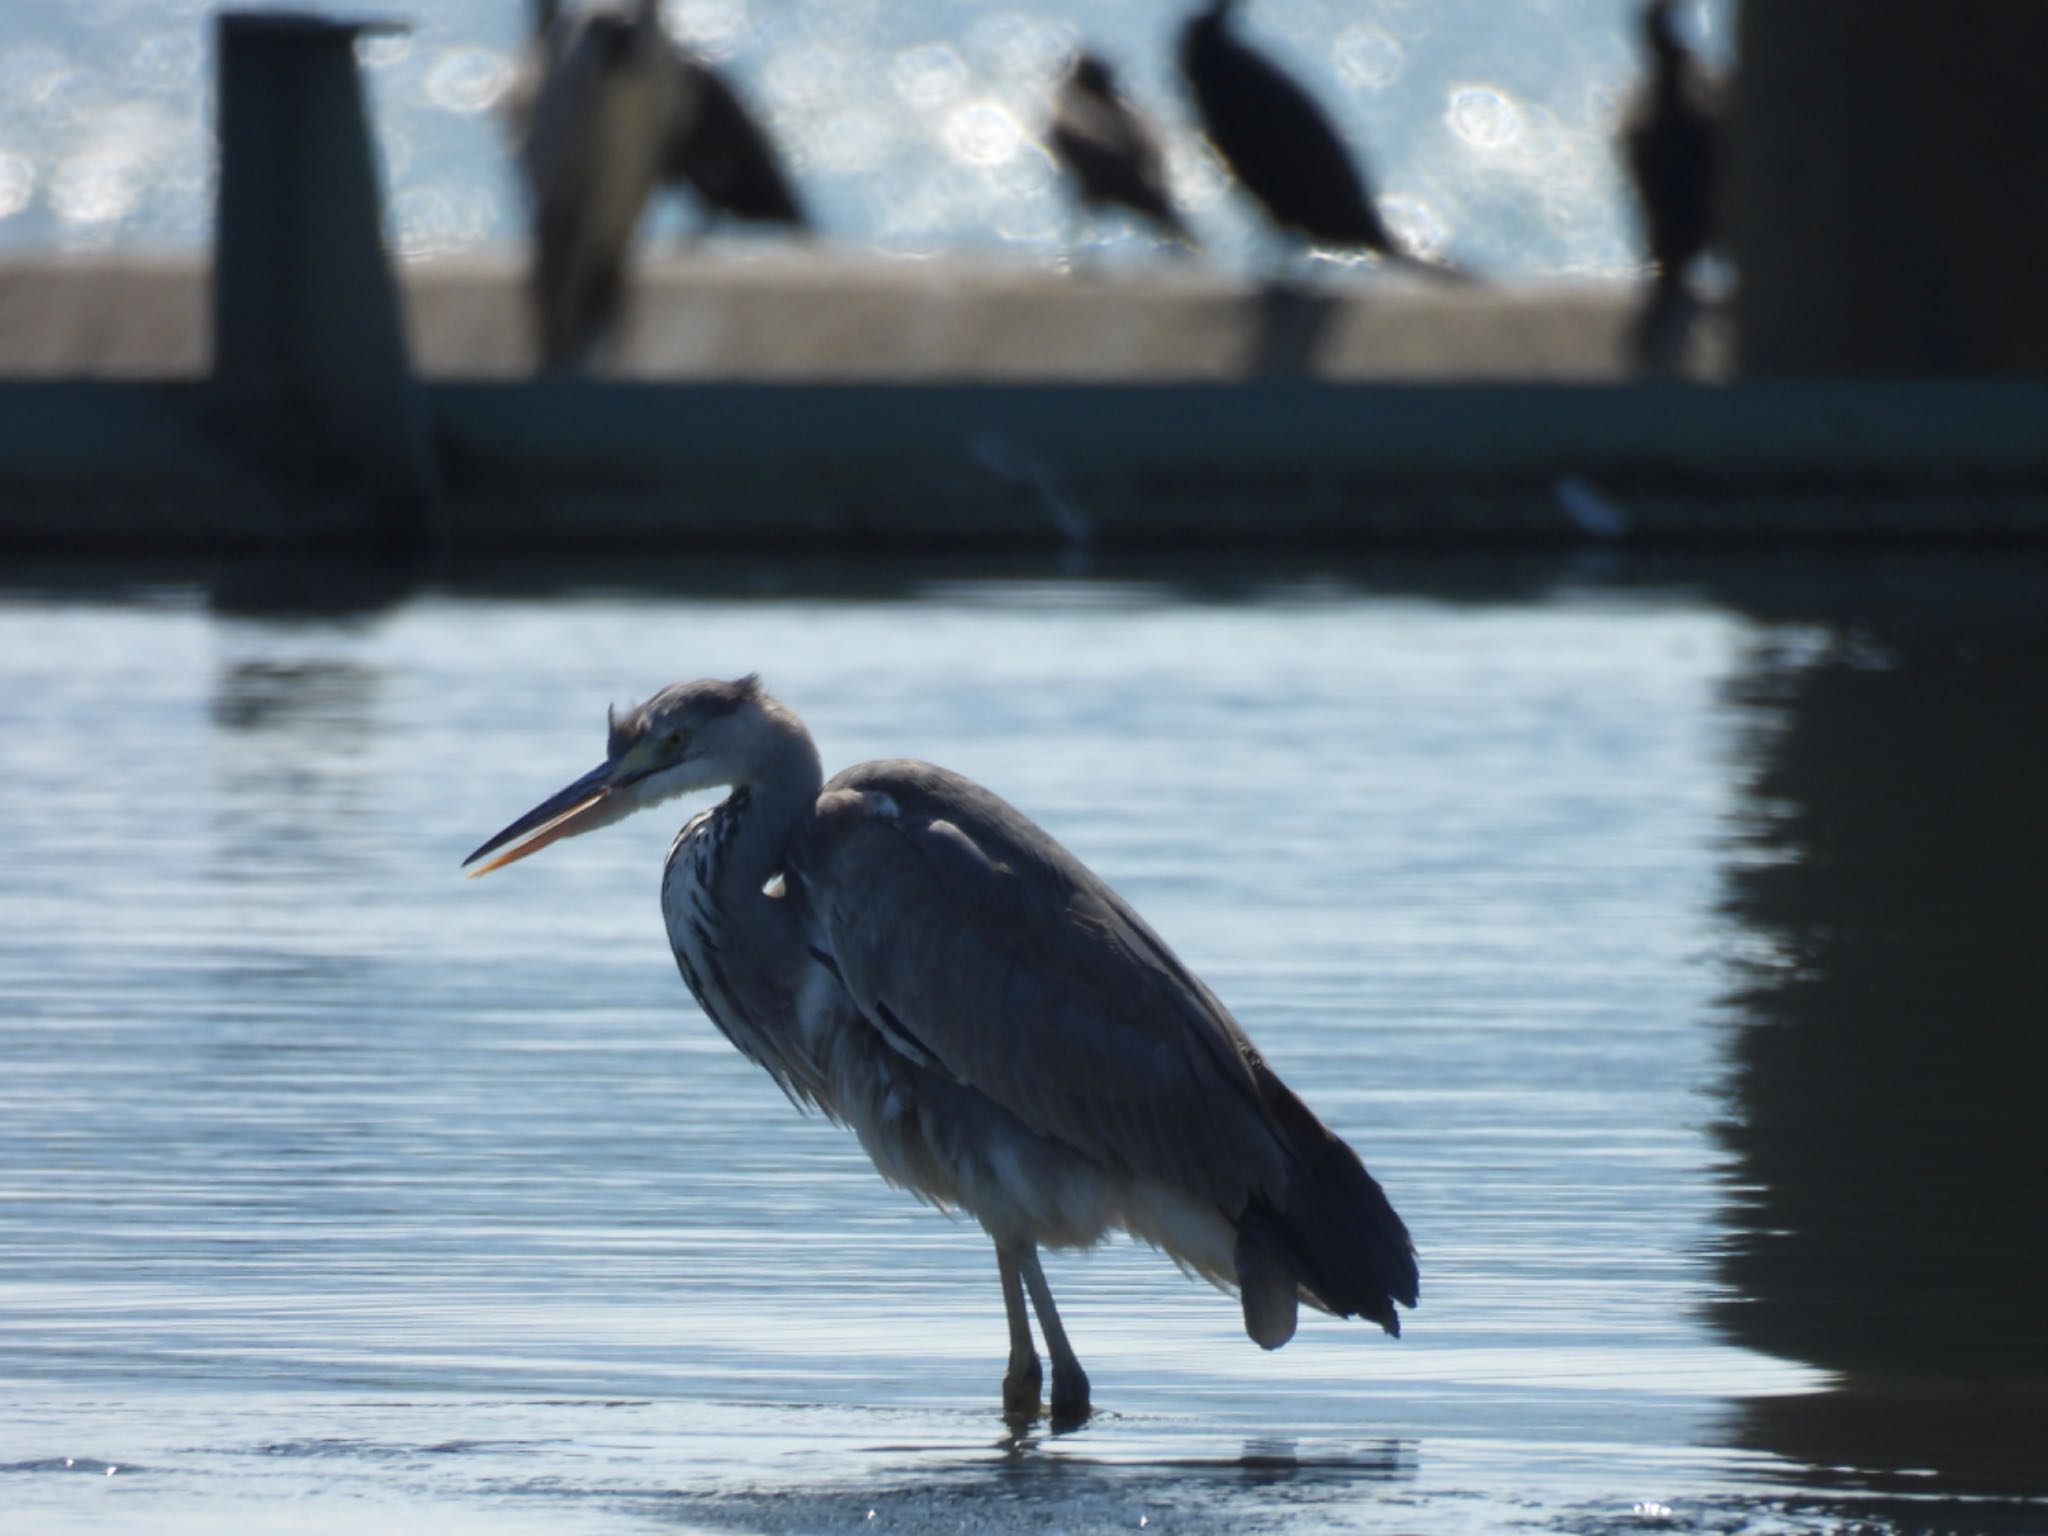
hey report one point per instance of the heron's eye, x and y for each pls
(674, 740)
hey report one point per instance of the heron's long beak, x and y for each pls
(581, 806)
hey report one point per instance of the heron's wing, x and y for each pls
(976, 944)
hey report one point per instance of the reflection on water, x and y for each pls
(1888, 1065)
(1662, 939)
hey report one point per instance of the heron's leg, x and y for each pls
(1069, 1381)
(1023, 1379)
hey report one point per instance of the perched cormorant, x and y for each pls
(591, 117)
(726, 156)
(1279, 144)
(1670, 134)
(1108, 150)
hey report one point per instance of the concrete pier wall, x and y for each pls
(815, 316)
(297, 388)
(855, 401)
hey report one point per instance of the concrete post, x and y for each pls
(309, 337)
(1887, 213)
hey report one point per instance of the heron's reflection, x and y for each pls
(1264, 1461)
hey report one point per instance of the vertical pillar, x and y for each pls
(1886, 211)
(308, 331)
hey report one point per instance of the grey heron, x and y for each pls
(599, 102)
(1108, 150)
(1670, 134)
(1281, 146)
(906, 952)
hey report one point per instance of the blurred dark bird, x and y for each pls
(1109, 151)
(597, 103)
(517, 103)
(725, 155)
(1280, 145)
(1670, 135)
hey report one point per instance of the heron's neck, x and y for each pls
(765, 809)
(740, 948)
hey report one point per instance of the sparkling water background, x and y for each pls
(912, 127)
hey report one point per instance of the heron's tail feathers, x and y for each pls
(1331, 1237)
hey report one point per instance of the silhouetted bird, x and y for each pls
(1108, 150)
(592, 116)
(1670, 134)
(1279, 144)
(517, 105)
(906, 952)
(726, 156)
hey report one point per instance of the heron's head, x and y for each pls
(689, 736)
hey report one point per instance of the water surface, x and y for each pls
(1659, 936)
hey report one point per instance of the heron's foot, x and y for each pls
(1021, 1386)
(1069, 1397)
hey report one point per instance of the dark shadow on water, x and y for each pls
(328, 585)
(291, 785)
(340, 587)
(1887, 1216)
(289, 760)
(329, 700)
